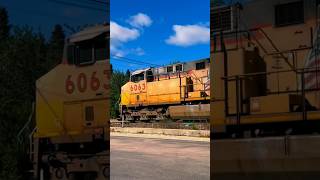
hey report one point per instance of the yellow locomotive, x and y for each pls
(265, 68)
(176, 91)
(72, 119)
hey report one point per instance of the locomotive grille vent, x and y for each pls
(221, 19)
(290, 13)
(89, 113)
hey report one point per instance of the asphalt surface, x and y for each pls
(159, 159)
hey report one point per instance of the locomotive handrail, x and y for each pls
(298, 71)
(249, 31)
(275, 47)
(239, 94)
(27, 124)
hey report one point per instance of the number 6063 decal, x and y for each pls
(138, 87)
(82, 83)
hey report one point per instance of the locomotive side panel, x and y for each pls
(165, 91)
(134, 93)
(151, 92)
(65, 86)
(262, 61)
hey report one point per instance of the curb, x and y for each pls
(159, 136)
(170, 132)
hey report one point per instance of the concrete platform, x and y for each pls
(169, 132)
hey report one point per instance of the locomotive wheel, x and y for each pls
(59, 173)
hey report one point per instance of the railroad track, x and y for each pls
(162, 125)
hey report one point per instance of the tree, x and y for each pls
(4, 24)
(111, 68)
(128, 73)
(118, 79)
(56, 45)
(73, 30)
(57, 36)
(22, 61)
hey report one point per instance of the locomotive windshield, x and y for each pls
(88, 46)
(100, 51)
(87, 52)
(84, 52)
(137, 77)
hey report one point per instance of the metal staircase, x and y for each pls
(28, 127)
(28, 144)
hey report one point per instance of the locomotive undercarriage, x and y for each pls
(146, 114)
(156, 113)
(65, 159)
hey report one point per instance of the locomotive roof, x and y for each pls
(89, 33)
(139, 71)
(187, 65)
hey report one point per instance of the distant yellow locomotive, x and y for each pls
(72, 102)
(177, 91)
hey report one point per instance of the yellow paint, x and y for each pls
(273, 108)
(165, 90)
(59, 113)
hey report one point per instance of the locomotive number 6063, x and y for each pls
(81, 82)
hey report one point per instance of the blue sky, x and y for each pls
(158, 31)
(148, 26)
(44, 14)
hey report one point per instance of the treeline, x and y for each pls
(26, 55)
(118, 79)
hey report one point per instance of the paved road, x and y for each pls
(159, 159)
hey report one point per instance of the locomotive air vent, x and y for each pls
(89, 115)
(222, 19)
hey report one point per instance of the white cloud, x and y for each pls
(138, 51)
(116, 51)
(122, 34)
(189, 35)
(140, 20)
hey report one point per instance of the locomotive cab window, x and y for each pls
(179, 67)
(169, 69)
(100, 51)
(137, 77)
(289, 14)
(85, 53)
(149, 75)
(200, 65)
